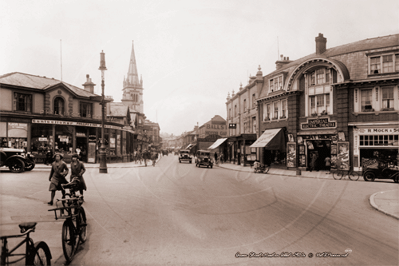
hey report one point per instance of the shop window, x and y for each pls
(387, 63)
(85, 109)
(22, 102)
(63, 139)
(387, 98)
(59, 106)
(3, 134)
(42, 139)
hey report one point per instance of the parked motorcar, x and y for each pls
(184, 155)
(203, 157)
(381, 169)
(16, 160)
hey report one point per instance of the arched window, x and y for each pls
(59, 106)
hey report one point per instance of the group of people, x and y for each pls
(145, 155)
(59, 171)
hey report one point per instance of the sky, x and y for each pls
(190, 54)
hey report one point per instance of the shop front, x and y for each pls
(375, 142)
(242, 153)
(220, 147)
(41, 136)
(273, 147)
(322, 150)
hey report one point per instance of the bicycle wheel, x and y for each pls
(82, 225)
(338, 175)
(70, 240)
(40, 255)
(354, 176)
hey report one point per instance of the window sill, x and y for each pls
(381, 74)
(375, 112)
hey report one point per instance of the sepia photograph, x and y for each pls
(158, 132)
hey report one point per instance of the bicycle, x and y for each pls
(74, 228)
(35, 253)
(352, 175)
(262, 168)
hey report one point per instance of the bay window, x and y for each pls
(276, 104)
(319, 104)
(284, 109)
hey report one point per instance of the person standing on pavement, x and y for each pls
(59, 170)
(216, 157)
(77, 170)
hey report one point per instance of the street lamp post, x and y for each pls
(103, 155)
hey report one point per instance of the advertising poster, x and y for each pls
(301, 149)
(343, 156)
(333, 149)
(291, 154)
(302, 160)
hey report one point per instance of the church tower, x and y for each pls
(133, 87)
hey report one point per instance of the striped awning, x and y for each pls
(217, 143)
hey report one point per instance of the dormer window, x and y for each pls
(59, 106)
(276, 84)
(387, 63)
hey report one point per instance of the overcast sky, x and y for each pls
(189, 53)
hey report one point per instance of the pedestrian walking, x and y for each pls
(59, 170)
(77, 171)
(216, 158)
(327, 162)
(154, 158)
(49, 156)
(221, 158)
(313, 159)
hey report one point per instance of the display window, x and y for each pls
(42, 138)
(17, 135)
(64, 139)
(3, 134)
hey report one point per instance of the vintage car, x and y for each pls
(381, 169)
(16, 160)
(184, 155)
(203, 157)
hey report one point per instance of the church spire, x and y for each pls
(132, 76)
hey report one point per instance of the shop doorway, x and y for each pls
(322, 148)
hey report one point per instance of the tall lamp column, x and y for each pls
(103, 155)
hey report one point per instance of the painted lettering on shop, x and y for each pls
(383, 130)
(221, 127)
(318, 123)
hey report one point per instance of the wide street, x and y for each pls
(178, 214)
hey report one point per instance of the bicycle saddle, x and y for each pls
(26, 226)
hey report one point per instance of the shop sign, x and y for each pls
(75, 123)
(378, 130)
(42, 139)
(319, 123)
(80, 134)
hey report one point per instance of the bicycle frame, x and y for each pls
(5, 254)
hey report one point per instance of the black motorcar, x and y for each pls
(380, 169)
(184, 155)
(16, 160)
(203, 157)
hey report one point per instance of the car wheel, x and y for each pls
(369, 176)
(17, 166)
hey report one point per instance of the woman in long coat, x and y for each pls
(59, 170)
(77, 170)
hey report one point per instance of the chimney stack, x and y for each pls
(89, 85)
(320, 44)
(283, 61)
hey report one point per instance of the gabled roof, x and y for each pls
(41, 83)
